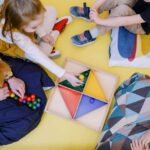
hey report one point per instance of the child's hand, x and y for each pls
(48, 39)
(145, 139)
(4, 93)
(72, 79)
(94, 16)
(17, 86)
(138, 145)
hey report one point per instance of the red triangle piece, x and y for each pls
(71, 99)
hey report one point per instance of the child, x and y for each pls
(24, 77)
(134, 15)
(21, 18)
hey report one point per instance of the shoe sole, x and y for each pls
(66, 17)
(53, 57)
(82, 45)
(81, 18)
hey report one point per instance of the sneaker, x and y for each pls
(61, 23)
(83, 39)
(81, 12)
(54, 53)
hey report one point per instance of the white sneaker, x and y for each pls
(54, 54)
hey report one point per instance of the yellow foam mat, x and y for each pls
(54, 133)
(93, 88)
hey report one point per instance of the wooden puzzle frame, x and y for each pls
(101, 75)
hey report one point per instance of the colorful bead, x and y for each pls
(31, 101)
(34, 107)
(34, 102)
(20, 100)
(28, 99)
(81, 77)
(38, 99)
(12, 95)
(38, 105)
(24, 101)
(16, 97)
(5, 84)
(30, 105)
(33, 97)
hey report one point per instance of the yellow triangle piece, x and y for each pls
(93, 88)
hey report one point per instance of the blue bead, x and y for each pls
(38, 105)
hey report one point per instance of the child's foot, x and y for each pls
(81, 12)
(54, 53)
(61, 23)
(83, 39)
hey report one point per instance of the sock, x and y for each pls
(94, 32)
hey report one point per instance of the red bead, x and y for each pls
(6, 84)
(28, 99)
(33, 97)
(20, 100)
(9, 92)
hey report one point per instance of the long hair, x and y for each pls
(18, 13)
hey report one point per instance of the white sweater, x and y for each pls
(32, 50)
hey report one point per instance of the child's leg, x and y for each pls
(118, 8)
(110, 4)
(121, 10)
(47, 48)
(58, 27)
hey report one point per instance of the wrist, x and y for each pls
(10, 79)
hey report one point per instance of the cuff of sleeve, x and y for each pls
(61, 73)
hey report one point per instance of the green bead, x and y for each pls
(34, 102)
(16, 97)
(30, 105)
(38, 99)
(34, 107)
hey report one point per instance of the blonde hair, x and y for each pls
(18, 13)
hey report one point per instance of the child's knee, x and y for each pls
(122, 10)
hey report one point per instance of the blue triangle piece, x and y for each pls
(140, 85)
(131, 98)
(88, 104)
(129, 112)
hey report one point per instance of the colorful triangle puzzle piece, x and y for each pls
(71, 99)
(93, 88)
(88, 104)
(78, 88)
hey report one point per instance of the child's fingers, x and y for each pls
(5, 89)
(17, 92)
(131, 146)
(6, 95)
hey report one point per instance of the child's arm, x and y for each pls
(33, 51)
(116, 21)
(97, 4)
(35, 54)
